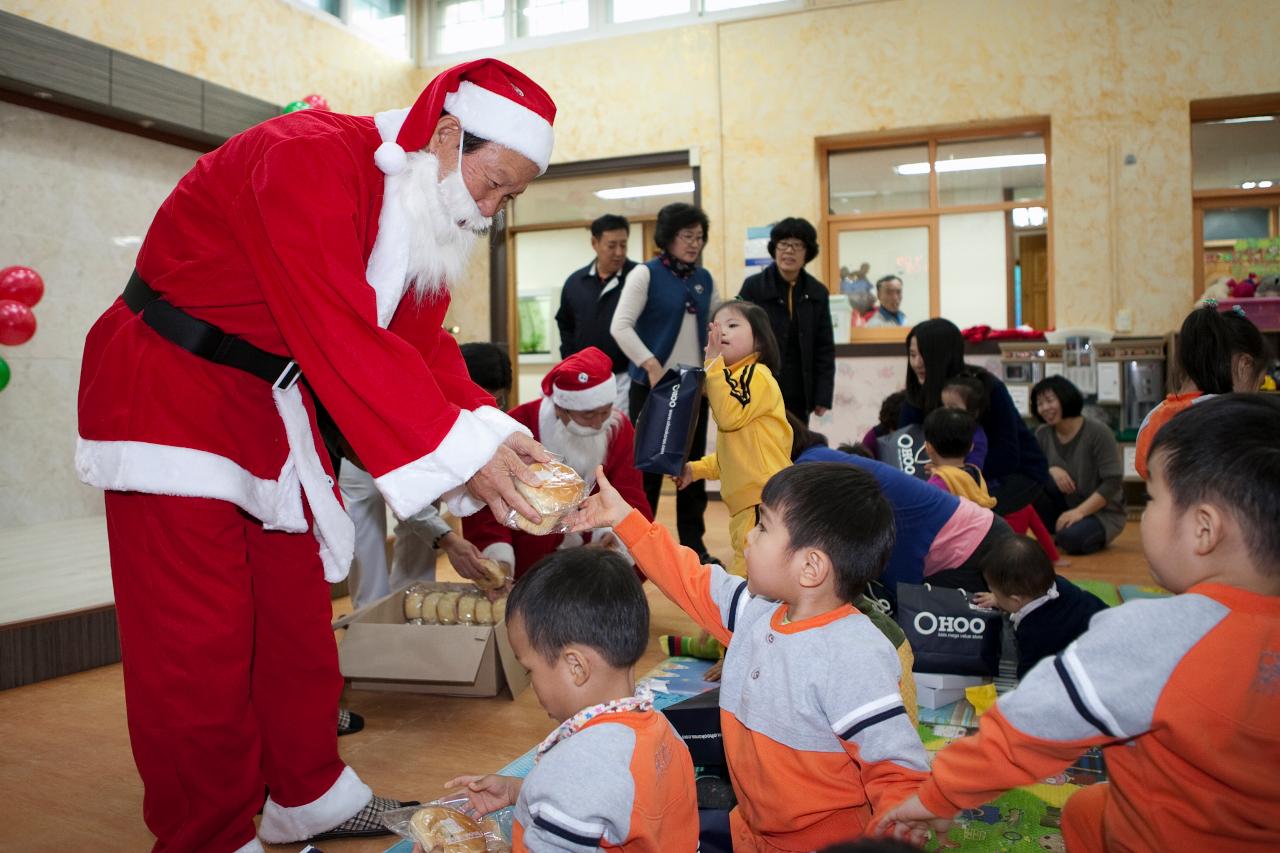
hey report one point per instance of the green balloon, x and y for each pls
(4, 374)
(294, 106)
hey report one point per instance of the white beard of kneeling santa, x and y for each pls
(574, 418)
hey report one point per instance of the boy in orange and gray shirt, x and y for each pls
(1182, 693)
(614, 775)
(815, 731)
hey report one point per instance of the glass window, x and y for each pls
(544, 17)
(384, 21)
(1236, 153)
(987, 171)
(623, 11)
(972, 274)
(869, 254)
(471, 24)
(333, 7)
(721, 5)
(630, 194)
(1237, 223)
(876, 179)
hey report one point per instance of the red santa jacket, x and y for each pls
(282, 237)
(521, 549)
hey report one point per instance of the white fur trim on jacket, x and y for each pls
(388, 265)
(491, 116)
(283, 824)
(501, 552)
(470, 443)
(586, 399)
(159, 469)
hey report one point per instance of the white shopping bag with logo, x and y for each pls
(947, 632)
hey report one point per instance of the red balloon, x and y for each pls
(17, 323)
(316, 102)
(21, 284)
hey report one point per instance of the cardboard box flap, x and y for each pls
(442, 653)
(516, 675)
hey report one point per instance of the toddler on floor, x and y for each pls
(1048, 611)
(753, 439)
(1182, 693)
(816, 739)
(615, 773)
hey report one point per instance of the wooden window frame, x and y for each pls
(1216, 109)
(833, 223)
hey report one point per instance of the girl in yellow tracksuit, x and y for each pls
(753, 438)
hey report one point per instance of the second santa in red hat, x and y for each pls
(581, 382)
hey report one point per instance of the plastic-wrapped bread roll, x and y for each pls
(467, 609)
(429, 604)
(500, 610)
(496, 575)
(484, 612)
(560, 491)
(447, 608)
(441, 830)
(413, 604)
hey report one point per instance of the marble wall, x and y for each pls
(75, 201)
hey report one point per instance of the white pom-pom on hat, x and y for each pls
(391, 158)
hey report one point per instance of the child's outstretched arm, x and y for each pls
(711, 596)
(1104, 688)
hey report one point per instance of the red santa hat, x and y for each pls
(492, 100)
(581, 382)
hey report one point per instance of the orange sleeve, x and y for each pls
(981, 767)
(677, 572)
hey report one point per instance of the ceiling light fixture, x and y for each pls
(1248, 185)
(969, 164)
(1244, 120)
(646, 190)
(1262, 185)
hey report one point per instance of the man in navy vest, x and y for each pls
(661, 322)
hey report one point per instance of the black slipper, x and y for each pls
(349, 722)
(366, 823)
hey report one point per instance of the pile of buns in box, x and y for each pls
(560, 491)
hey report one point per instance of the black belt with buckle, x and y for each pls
(205, 339)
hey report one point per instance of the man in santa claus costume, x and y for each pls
(576, 419)
(297, 275)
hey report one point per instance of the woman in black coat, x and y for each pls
(800, 314)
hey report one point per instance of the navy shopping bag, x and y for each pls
(904, 449)
(947, 632)
(664, 430)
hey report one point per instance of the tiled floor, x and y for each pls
(67, 779)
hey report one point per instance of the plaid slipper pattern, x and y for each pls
(349, 722)
(366, 823)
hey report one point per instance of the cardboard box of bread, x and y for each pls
(447, 638)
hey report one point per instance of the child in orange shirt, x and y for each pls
(1182, 693)
(615, 775)
(1219, 352)
(815, 731)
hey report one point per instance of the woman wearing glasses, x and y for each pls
(661, 322)
(798, 310)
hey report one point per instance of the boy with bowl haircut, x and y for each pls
(1182, 693)
(815, 731)
(614, 774)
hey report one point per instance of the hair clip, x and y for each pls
(1239, 309)
(1210, 302)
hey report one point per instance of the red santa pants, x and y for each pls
(230, 670)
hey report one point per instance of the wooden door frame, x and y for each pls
(929, 222)
(1216, 200)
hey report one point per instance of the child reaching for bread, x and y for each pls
(614, 773)
(753, 438)
(1181, 693)
(815, 731)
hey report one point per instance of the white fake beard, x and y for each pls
(583, 448)
(444, 225)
